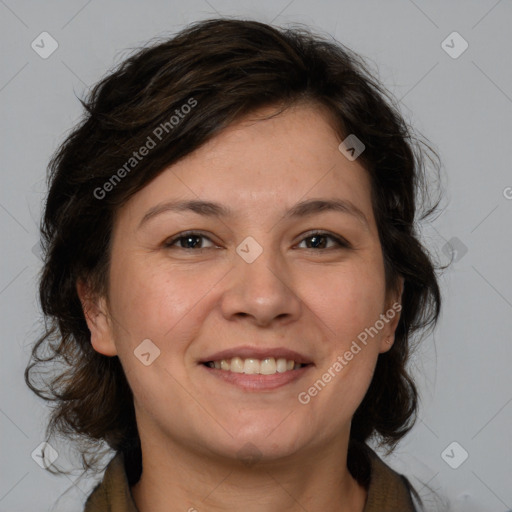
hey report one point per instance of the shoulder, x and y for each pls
(112, 494)
(388, 491)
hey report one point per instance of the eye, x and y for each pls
(188, 240)
(319, 240)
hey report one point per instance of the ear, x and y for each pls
(391, 316)
(97, 318)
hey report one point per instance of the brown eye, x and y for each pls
(189, 240)
(319, 240)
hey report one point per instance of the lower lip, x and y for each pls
(258, 382)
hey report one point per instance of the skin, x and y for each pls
(196, 301)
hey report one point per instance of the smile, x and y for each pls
(257, 369)
(252, 366)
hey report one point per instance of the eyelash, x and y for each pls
(342, 243)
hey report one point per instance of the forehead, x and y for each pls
(260, 164)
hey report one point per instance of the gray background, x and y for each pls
(462, 105)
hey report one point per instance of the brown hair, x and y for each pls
(223, 69)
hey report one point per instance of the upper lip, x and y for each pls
(247, 352)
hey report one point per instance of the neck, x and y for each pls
(317, 479)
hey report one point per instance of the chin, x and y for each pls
(267, 440)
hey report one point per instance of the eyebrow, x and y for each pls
(302, 209)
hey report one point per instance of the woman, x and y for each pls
(233, 276)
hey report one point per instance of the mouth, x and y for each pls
(257, 369)
(252, 366)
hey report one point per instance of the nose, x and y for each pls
(261, 291)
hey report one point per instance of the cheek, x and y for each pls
(158, 303)
(347, 300)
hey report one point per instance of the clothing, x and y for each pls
(387, 490)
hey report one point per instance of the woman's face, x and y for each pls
(229, 255)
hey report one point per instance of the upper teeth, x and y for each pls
(267, 366)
